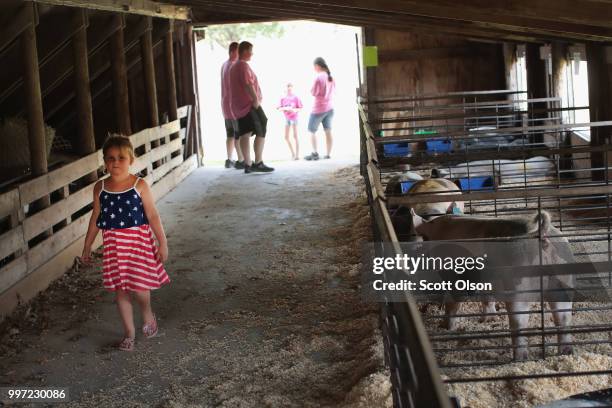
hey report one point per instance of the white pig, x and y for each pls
(451, 227)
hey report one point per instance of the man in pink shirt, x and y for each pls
(231, 140)
(322, 109)
(245, 104)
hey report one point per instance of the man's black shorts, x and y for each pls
(229, 128)
(254, 122)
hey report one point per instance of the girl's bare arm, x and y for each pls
(92, 229)
(154, 219)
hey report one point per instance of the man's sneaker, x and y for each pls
(261, 167)
(327, 156)
(239, 165)
(229, 163)
(247, 168)
(312, 156)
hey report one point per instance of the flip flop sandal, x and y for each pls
(127, 344)
(150, 330)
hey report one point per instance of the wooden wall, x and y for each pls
(417, 64)
(86, 73)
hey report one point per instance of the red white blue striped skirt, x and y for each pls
(129, 261)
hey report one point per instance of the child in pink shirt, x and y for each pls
(291, 105)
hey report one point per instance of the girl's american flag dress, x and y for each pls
(129, 258)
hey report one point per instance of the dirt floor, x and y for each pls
(263, 309)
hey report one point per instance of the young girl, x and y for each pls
(291, 105)
(124, 209)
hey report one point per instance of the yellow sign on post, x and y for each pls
(370, 56)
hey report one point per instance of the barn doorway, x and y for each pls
(283, 52)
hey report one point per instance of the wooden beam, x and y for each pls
(119, 75)
(98, 61)
(143, 7)
(51, 41)
(391, 22)
(99, 77)
(453, 19)
(520, 13)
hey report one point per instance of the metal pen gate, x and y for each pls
(530, 161)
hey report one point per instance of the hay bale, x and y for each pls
(15, 144)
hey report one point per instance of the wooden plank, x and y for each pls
(375, 181)
(147, 135)
(40, 186)
(371, 148)
(141, 163)
(177, 175)
(9, 202)
(53, 245)
(142, 7)
(165, 150)
(13, 272)
(39, 279)
(182, 111)
(162, 170)
(19, 23)
(45, 219)
(11, 241)
(419, 54)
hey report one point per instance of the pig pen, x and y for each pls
(533, 163)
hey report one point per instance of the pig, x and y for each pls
(452, 227)
(400, 216)
(429, 210)
(436, 186)
(510, 171)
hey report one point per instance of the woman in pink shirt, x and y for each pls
(322, 109)
(291, 105)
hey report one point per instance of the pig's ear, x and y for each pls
(417, 220)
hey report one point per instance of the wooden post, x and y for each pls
(86, 141)
(119, 75)
(195, 92)
(148, 67)
(170, 78)
(371, 88)
(191, 143)
(36, 123)
(536, 82)
(599, 101)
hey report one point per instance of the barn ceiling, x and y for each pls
(507, 20)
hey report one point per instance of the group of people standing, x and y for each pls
(241, 105)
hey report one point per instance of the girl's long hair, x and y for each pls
(321, 62)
